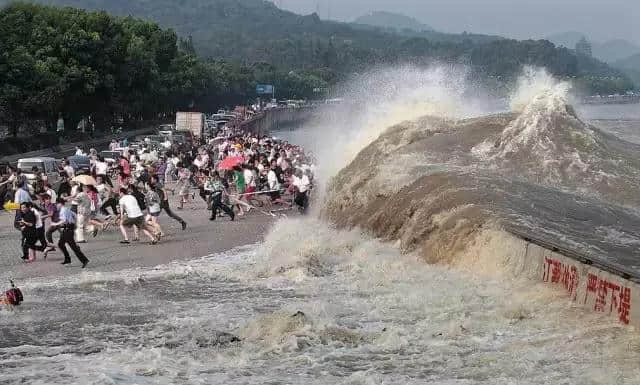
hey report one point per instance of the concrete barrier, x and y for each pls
(276, 118)
(594, 287)
(69, 149)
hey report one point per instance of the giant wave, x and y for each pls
(439, 184)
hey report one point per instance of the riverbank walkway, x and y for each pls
(201, 238)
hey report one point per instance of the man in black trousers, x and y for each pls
(216, 188)
(164, 201)
(68, 224)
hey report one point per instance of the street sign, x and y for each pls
(264, 89)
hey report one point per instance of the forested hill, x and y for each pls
(256, 31)
(392, 20)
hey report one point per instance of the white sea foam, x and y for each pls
(381, 98)
(371, 315)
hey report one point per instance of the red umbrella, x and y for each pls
(230, 162)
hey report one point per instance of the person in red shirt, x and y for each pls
(125, 171)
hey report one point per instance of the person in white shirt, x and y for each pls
(49, 191)
(132, 216)
(274, 185)
(22, 194)
(272, 179)
(102, 168)
(10, 179)
(198, 162)
(75, 190)
(284, 165)
(79, 151)
(68, 169)
(302, 185)
(139, 169)
(40, 233)
(249, 180)
(83, 214)
(169, 171)
(222, 147)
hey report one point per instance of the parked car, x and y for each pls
(110, 157)
(80, 164)
(48, 166)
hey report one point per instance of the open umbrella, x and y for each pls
(85, 180)
(230, 162)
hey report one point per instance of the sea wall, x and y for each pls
(276, 118)
(586, 285)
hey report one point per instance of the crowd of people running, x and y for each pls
(232, 175)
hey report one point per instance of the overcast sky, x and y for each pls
(600, 19)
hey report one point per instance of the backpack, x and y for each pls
(153, 202)
(160, 193)
(140, 199)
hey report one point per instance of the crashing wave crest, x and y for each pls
(435, 183)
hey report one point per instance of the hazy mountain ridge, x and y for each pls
(609, 51)
(392, 20)
(630, 66)
(631, 62)
(256, 31)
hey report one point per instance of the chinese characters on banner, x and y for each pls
(557, 272)
(617, 297)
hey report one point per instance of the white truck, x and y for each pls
(192, 122)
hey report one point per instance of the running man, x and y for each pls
(164, 201)
(215, 188)
(132, 216)
(68, 224)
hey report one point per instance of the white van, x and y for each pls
(48, 166)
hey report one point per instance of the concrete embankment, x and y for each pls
(277, 118)
(590, 283)
(68, 149)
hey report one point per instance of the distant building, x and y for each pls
(583, 47)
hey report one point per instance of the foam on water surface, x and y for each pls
(370, 315)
